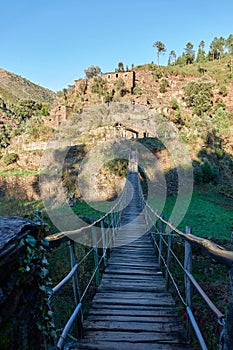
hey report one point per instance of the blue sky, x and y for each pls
(51, 42)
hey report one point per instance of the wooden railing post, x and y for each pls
(229, 320)
(187, 282)
(76, 288)
(103, 242)
(169, 258)
(160, 248)
(95, 253)
(161, 242)
(113, 227)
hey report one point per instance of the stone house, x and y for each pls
(82, 85)
(127, 77)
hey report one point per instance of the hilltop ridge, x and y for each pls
(14, 87)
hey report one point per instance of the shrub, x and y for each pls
(10, 158)
(174, 103)
(137, 90)
(221, 122)
(223, 90)
(199, 95)
(163, 86)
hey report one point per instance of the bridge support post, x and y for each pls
(162, 230)
(187, 282)
(228, 345)
(76, 289)
(103, 242)
(113, 228)
(95, 253)
(169, 258)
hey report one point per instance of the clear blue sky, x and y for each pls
(51, 42)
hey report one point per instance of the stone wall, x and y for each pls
(16, 187)
(127, 77)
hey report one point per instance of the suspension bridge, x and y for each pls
(132, 307)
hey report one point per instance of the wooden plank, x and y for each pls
(132, 318)
(165, 327)
(135, 312)
(129, 346)
(134, 337)
(131, 309)
(126, 302)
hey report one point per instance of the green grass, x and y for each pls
(20, 173)
(20, 207)
(209, 215)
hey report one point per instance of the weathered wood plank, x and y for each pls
(131, 309)
(129, 346)
(132, 318)
(111, 325)
(134, 337)
(135, 312)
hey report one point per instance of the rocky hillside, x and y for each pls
(199, 104)
(13, 88)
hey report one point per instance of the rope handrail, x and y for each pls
(217, 252)
(113, 215)
(60, 235)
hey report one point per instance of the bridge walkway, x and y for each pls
(132, 309)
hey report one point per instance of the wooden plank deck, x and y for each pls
(131, 309)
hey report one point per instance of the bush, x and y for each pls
(205, 172)
(174, 103)
(137, 90)
(163, 86)
(223, 90)
(10, 158)
(199, 95)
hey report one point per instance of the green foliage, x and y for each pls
(172, 57)
(99, 86)
(201, 53)
(36, 130)
(27, 108)
(174, 103)
(82, 86)
(223, 90)
(221, 122)
(209, 214)
(118, 167)
(160, 48)
(199, 95)
(34, 256)
(4, 136)
(205, 172)
(137, 90)
(45, 109)
(10, 158)
(156, 72)
(120, 86)
(14, 88)
(92, 71)
(189, 54)
(163, 86)
(121, 67)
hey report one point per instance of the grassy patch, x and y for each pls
(20, 207)
(209, 214)
(20, 173)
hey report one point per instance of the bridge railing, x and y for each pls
(162, 236)
(100, 242)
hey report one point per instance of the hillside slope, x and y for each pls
(13, 88)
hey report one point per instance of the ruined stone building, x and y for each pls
(111, 78)
(127, 77)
